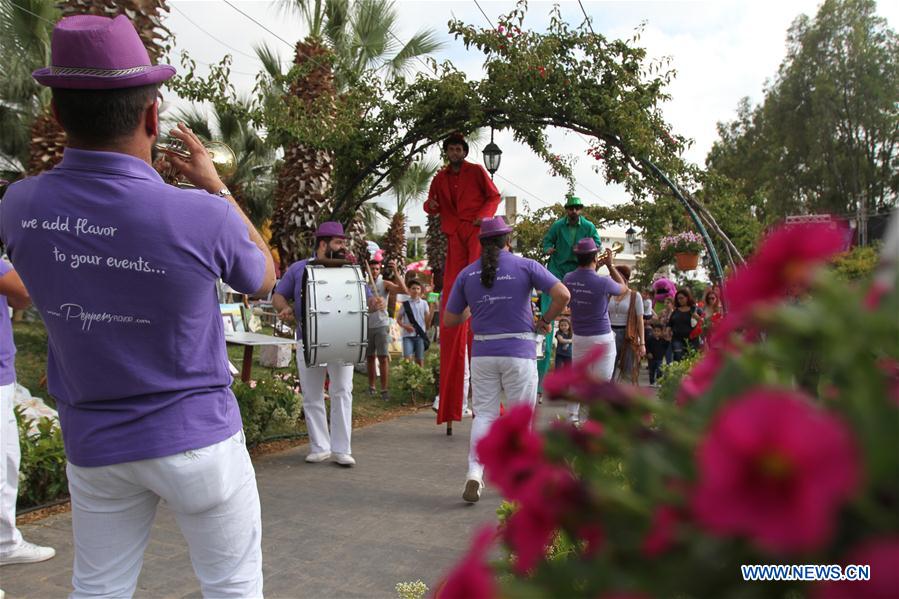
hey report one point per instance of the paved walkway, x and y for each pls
(328, 532)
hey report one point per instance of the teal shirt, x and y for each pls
(563, 237)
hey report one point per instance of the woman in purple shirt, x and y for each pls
(589, 306)
(495, 291)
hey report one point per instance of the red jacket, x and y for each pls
(462, 198)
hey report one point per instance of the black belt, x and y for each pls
(619, 326)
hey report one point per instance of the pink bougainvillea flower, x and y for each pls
(882, 555)
(550, 494)
(775, 468)
(661, 533)
(783, 263)
(472, 578)
(511, 451)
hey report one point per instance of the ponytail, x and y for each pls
(490, 249)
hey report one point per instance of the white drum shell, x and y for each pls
(335, 317)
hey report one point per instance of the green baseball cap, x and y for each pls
(574, 201)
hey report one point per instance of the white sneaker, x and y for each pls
(467, 412)
(27, 553)
(436, 405)
(315, 458)
(344, 459)
(472, 492)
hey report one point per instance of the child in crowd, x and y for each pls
(414, 317)
(656, 350)
(563, 343)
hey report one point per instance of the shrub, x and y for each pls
(266, 407)
(673, 374)
(413, 379)
(42, 471)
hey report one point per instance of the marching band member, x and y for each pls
(330, 248)
(123, 270)
(495, 291)
(589, 307)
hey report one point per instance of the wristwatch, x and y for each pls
(223, 192)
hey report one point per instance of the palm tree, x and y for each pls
(47, 138)
(408, 190)
(345, 42)
(253, 182)
(25, 29)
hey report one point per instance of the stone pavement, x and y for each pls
(328, 532)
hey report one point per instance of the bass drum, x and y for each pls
(335, 316)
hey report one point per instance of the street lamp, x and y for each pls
(631, 235)
(415, 230)
(492, 156)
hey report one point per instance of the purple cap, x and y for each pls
(585, 246)
(329, 228)
(493, 227)
(90, 52)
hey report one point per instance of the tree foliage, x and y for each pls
(826, 136)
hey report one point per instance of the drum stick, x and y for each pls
(371, 277)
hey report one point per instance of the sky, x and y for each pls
(722, 51)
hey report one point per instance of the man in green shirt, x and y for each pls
(564, 234)
(558, 244)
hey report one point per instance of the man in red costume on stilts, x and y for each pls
(462, 194)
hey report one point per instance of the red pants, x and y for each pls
(463, 248)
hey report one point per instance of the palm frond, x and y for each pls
(310, 12)
(420, 44)
(270, 59)
(195, 118)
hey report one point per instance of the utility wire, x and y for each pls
(195, 24)
(260, 24)
(512, 183)
(485, 14)
(589, 23)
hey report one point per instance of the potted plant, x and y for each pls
(685, 247)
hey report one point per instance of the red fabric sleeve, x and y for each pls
(491, 195)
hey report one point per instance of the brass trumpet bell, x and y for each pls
(617, 247)
(223, 157)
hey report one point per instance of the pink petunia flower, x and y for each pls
(551, 493)
(775, 468)
(586, 436)
(783, 264)
(580, 380)
(511, 451)
(661, 533)
(700, 377)
(882, 555)
(472, 578)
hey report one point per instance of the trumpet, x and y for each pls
(617, 247)
(223, 157)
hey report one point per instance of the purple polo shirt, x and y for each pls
(505, 307)
(291, 287)
(7, 347)
(590, 301)
(123, 270)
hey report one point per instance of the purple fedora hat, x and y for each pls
(329, 228)
(89, 52)
(585, 246)
(493, 227)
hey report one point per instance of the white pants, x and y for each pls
(601, 369)
(312, 380)
(491, 377)
(212, 492)
(10, 538)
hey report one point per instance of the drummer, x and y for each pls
(330, 248)
(495, 291)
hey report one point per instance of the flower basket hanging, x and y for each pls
(686, 260)
(685, 247)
